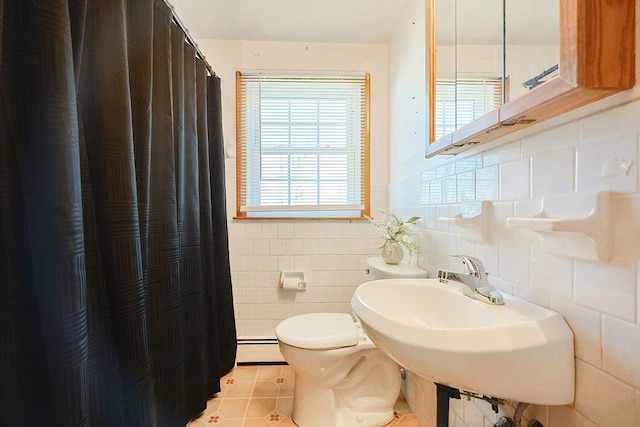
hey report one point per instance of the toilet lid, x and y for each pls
(318, 331)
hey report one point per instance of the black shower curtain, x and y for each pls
(115, 288)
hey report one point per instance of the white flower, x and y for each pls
(395, 229)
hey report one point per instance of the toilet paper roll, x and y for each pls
(293, 283)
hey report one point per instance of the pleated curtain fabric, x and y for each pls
(115, 287)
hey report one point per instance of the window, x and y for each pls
(469, 98)
(303, 146)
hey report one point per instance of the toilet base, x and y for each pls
(350, 418)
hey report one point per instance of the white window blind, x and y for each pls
(302, 146)
(459, 102)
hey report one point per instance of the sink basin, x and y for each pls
(517, 351)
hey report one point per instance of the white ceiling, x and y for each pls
(329, 21)
(366, 21)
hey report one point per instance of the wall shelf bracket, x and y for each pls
(576, 226)
(473, 220)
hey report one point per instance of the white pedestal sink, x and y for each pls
(517, 351)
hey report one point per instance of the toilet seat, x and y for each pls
(319, 331)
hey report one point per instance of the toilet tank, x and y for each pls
(381, 270)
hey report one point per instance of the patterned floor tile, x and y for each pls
(262, 396)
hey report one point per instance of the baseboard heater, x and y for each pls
(259, 351)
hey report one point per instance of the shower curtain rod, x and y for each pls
(188, 37)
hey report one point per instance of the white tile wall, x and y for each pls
(600, 301)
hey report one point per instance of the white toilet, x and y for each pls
(341, 378)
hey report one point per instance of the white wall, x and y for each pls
(600, 301)
(333, 253)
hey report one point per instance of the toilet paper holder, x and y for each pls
(293, 280)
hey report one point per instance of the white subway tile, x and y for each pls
(261, 247)
(603, 399)
(449, 189)
(552, 173)
(253, 295)
(351, 230)
(253, 263)
(566, 135)
(466, 187)
(334, 229)
(326, 246)
(487, 183)
(270, 263)
(253, 328)
(269, 230)
(263, 279)
(473, 416)
(261, 311)
(586, 325)
(277, 311)
(502, 154)
(446, 170)
(489, 254)
(238, 295)
(464, 246)
(236, 229)
(319, 262)
(309, 246)
(424, 193)
(294, 310)
(286, 262)
(286, 230)
(551, 274)
(245, 247)
(442, 211)
(244, 279)
(302, 230)
(622, 119)
(435, 192)
(565, 416)
(499, 212)
(294, 246)
(468, 163)
(609, 164)
(318, 230)
(342, 246)
(621, 350)
(243, 311)
(241, 329)
(253, 230)
(277, 247)
(301, 263)
(236, 262)
(514, 180)
(607, 288)
(317, 294)
(428, 175)
(530, 295)
(514, 263)
(269, 295)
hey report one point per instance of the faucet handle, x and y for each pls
(474, 266)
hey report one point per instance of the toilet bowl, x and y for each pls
(341, 378)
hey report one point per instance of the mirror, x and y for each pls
(595, 56)
(488, 52)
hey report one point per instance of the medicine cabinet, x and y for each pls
(595, 58)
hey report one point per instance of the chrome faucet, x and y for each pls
(474, 284)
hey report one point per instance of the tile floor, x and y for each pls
(262, 396)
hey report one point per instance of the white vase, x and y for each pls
(392, 252)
